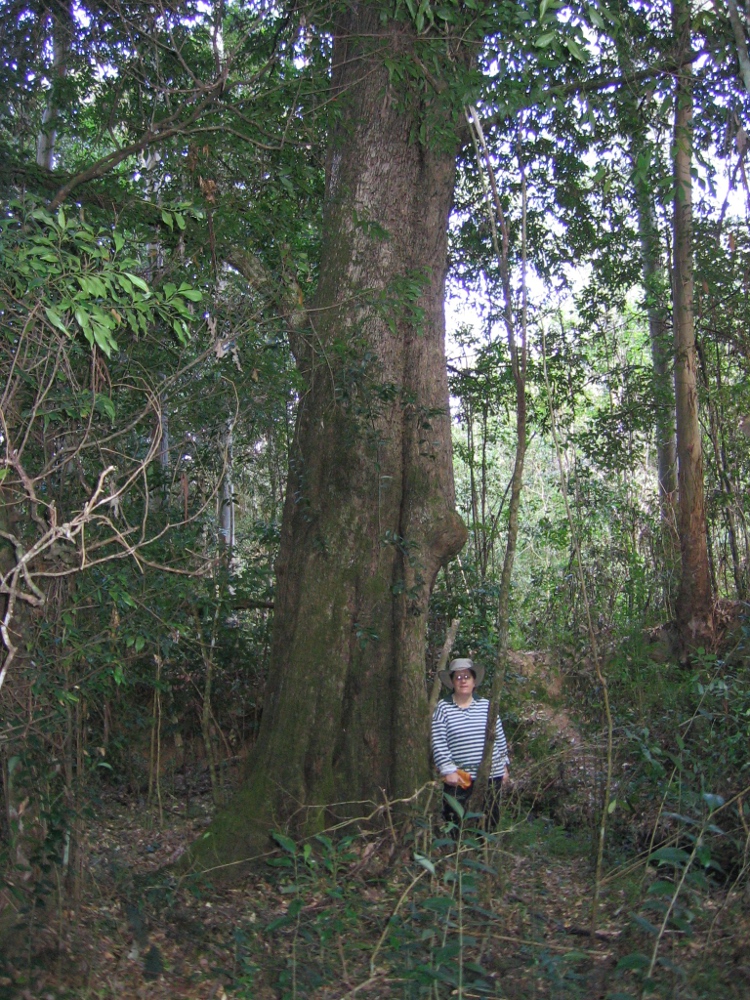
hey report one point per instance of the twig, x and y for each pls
(547, 945)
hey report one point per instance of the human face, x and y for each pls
(464, 681)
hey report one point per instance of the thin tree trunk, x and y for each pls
(694, 600)
(656, 287)
(226, 500)
(485, 534)
(518, 356)
(473, 484)
(61, 34)
(731, 506)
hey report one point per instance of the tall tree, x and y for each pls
(369, 513)
(694, 599)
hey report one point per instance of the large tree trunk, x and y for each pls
(369, 511)
(694, 600)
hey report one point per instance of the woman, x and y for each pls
(458, 731)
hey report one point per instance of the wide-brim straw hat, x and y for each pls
(461, 664)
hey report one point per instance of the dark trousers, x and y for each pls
(490, 805)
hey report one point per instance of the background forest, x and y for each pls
(191, 311)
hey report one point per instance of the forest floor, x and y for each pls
(387, 914)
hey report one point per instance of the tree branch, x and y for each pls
(163, 130)
(739, 37)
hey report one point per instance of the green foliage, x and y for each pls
(130, 317)
(79, 280)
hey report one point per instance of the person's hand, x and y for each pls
(454, 778)
(458, 777)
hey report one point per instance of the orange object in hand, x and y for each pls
(464, 778)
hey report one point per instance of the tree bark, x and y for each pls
(369, 510)
(740, 42)
(694, 600)
(656, 288)
(655, 283)
(226, 499)
(61, 16)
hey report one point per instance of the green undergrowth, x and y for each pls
(457, 912)
(421, 910)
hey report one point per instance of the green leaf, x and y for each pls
(83, 320)
(635, 960)
(713, 801)
(118, 241)
(105, 405)
(455, 805)
(181, 330)
(285, 843)
(546, 39)
(543, 8)
(56, 320)
(670, 855)
(447, 952)
(167, 218)
(661, 888)
(138, 282)
(192, 294)
(438, 904)
(41, 216)
(687, 820)
(125, 284)
(103, 338)
(575, 50)
(425, 863)
(644, 924)
(611, 807)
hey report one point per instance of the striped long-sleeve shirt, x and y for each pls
(458, 738)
